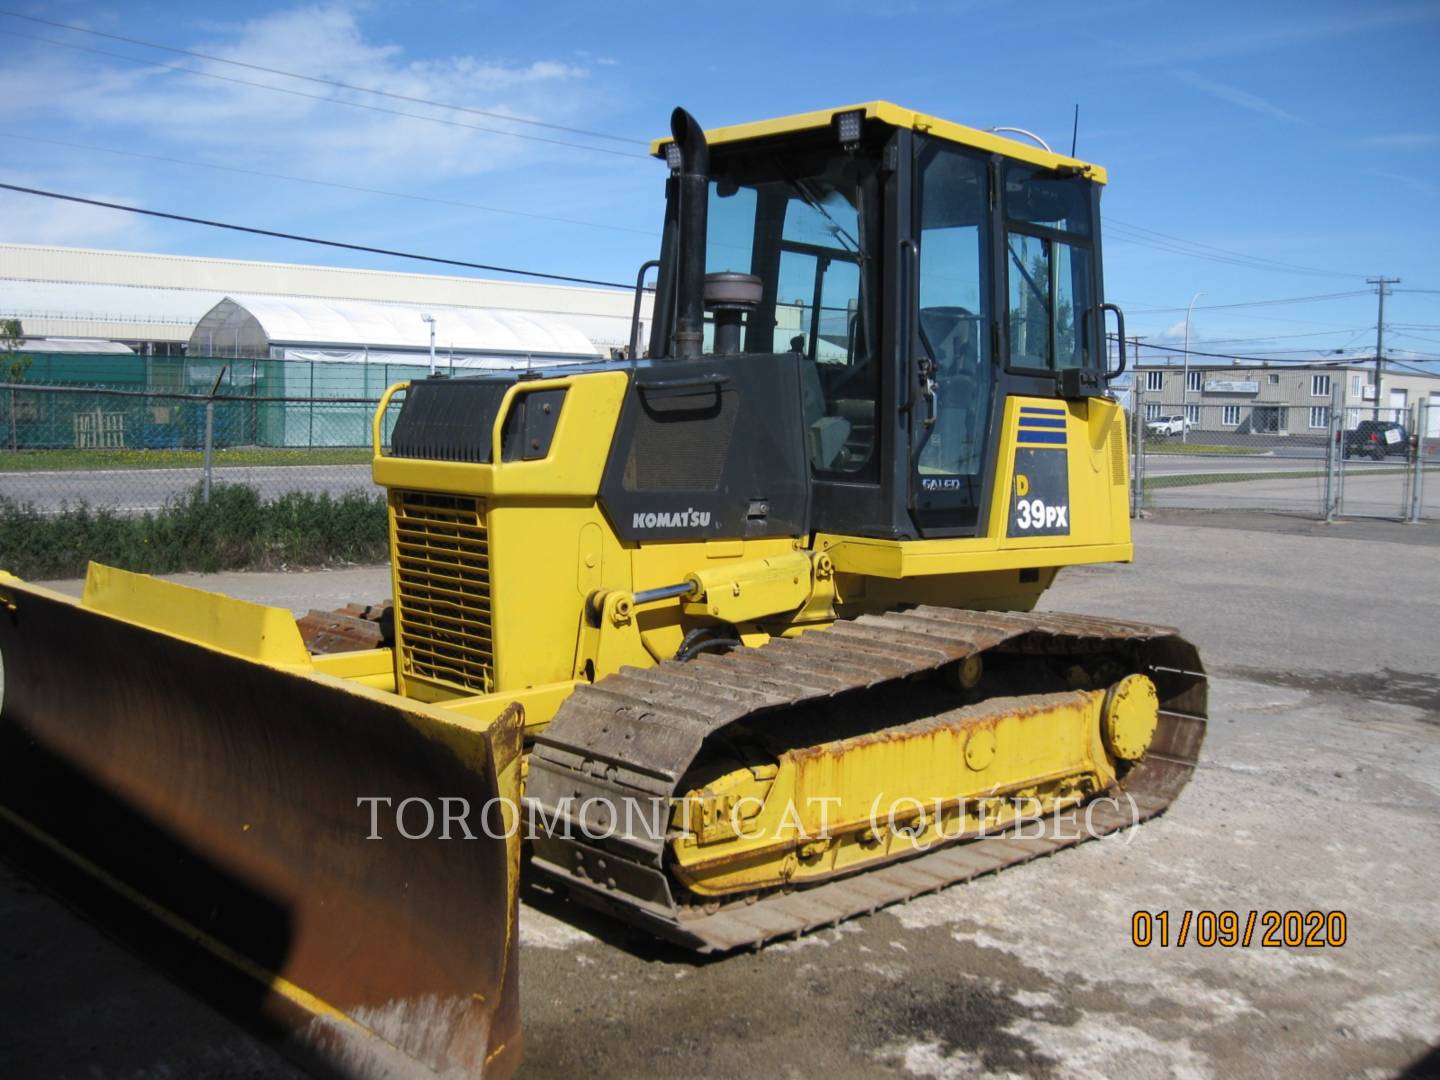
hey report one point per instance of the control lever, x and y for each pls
(929, 388)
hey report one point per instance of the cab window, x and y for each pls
(804, 222)
(1049, 266)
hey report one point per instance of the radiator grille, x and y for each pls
(1117, 453)
(442, 594)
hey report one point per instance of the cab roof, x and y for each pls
(894, 115)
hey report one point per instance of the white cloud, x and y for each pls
(1278, 32)
(1414, 183)
(305, 130)
(1400, 140)
(1235, 96)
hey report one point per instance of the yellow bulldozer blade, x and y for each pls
(182, 748)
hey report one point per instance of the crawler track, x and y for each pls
(630, 739)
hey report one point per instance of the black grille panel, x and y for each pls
(449, 419)
(681, 442)
(442, 594)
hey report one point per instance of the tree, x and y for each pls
(12, 336)
(1030, 326)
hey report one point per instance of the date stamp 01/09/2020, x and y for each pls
(1239, 929)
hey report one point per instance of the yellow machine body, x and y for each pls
(547, 552)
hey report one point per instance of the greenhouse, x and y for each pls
(291, 354)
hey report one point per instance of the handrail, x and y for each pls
(378, 419)
(645, 268)
(1120, 334)
(1027, 134)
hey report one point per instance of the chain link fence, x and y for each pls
(133, 450)
(1318, 461)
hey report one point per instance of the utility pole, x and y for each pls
(1135, 340)
(1137, 431)
(431, 320)
(1382, 282)
(1185, 386)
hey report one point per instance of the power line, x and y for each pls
(1135, 234)
(1248, 315)
(323, 183)
(1273, 263)
(1413, 337)
(1117, 236)
(1269, 359)
(1259, 303)
(314, 240)
(1413, 368)
(1282, 337)
(323, 81)
(335, 100)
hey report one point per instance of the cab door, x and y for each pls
(952, 456)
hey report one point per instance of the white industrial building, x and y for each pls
(152, 302)
(309, 347)
(1283, 399)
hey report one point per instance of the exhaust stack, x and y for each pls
(693, 189)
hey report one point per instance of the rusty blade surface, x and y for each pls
(221, 795)
(348, 629)
(631, 738)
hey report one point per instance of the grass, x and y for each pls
(1171, 446)
(235, 530)
(1154, 483)
(94, 460)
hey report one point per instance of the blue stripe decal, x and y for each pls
(1026, 409)
(1042, 437)
(1040, 422)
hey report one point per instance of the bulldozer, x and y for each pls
(750, 617)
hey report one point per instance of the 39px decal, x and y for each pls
(1040, 501)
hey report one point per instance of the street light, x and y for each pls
(1185, 386)
(431, 320)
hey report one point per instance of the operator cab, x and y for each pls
(918, 272)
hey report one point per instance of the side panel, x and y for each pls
(711, 449)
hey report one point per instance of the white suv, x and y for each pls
(1168, 425)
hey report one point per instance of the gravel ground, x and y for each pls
(1318, 788)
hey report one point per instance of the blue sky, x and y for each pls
(1296, 146)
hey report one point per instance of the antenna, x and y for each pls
(1075, 129)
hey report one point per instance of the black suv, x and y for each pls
(1377, 439)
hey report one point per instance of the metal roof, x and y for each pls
(357, 323)
(87, 346)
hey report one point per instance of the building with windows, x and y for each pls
(1280, 399)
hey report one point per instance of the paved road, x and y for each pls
(136, 490)
(1318, 788)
